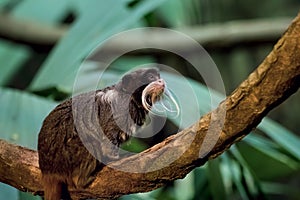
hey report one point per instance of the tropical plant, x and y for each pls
(248, 170)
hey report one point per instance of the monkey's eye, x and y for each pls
(151, 77)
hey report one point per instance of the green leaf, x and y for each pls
(251, 180)
(269, 149)
(3, 3)
(47, 11)
(12, 57)
(177, 13)
(235, 174)
(28, 196)
(280, 189)
(255, 148)
(198, 103)
(93, 76)
(184, 189)
(134, 145)
(8, 192)
(285, 138)
(200, 182)
(21, 116)
(99, 22)
(226, 172)
(127, 63)
(216, 182)
(141, 196)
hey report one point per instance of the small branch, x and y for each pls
(213, 35)
(238, 32)
(27, 31)
(209, 36)
(277, 78)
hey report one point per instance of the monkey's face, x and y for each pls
(146, 88)
(142, 84)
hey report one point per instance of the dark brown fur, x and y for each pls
(97, 119)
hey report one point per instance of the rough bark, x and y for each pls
(271, 83)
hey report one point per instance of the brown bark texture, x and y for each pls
(277, 78)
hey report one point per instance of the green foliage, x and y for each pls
(249, 170)
(50, 12)
(17, 55)
(91, 29)
(21, 116)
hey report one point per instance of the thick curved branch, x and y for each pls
(271, 83)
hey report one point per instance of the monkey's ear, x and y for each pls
(126, 84)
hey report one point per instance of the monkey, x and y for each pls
(83, 133)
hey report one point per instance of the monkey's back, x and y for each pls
(61, 151)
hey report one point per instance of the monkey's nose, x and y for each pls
(161, 82)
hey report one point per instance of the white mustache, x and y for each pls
(160, 103)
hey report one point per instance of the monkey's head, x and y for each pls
(146, 87)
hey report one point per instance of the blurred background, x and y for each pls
(43, 44)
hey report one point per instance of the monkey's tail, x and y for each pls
(54, 188)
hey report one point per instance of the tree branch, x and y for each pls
(28, 31)
(270, 84)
